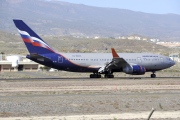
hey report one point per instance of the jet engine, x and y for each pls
(134, 70)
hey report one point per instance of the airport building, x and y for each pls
(17, 63)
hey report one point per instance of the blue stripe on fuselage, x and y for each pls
(62, 63)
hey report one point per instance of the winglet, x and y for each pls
(114, 53)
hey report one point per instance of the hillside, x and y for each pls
(13, 44)
(61, 18)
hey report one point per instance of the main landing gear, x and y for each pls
(108, 76)
(95, 75)
(153, 75)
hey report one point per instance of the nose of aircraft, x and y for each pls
(172, 62)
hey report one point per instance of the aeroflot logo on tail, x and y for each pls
(33, 40)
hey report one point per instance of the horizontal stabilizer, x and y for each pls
(39, 58)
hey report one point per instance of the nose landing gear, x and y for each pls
(153, 75)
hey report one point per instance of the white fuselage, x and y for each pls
(148, 60)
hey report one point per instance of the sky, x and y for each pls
(147, 6)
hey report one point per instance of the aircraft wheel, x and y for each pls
(105, 76)
(95, 76)
(109, 76)
(112, 76)
(153, 75)
(91, 75)
(98, 76)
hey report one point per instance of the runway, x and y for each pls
(89, 79)
(25, 94)
(82, 96)
(61, 75)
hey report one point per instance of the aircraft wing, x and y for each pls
(116, 63)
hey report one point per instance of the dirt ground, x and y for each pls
(62, 95)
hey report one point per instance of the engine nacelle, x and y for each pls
(134, 70)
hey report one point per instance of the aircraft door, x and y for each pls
(60, 59)
(162, 60)
(139, 60)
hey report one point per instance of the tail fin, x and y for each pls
(33, 42)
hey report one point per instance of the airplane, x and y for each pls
(95, 63)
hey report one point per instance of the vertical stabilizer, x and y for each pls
(33, 42)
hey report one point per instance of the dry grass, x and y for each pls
(70, 44)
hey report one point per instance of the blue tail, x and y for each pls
(33, 42)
